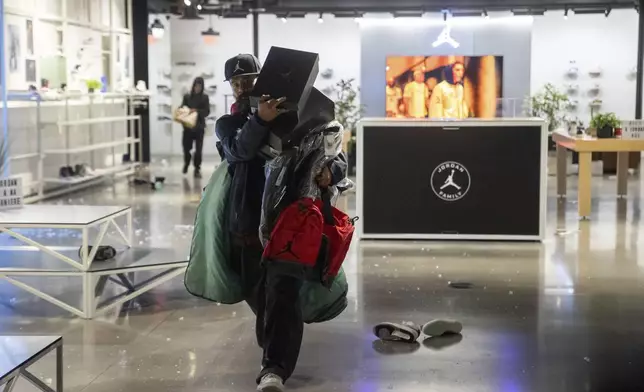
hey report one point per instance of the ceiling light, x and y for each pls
(199, 7)
(156, 29)
(210, 36)
(187, 3)
(320, 19)
(284, 20)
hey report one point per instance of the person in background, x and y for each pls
(196, 101)
(416, 96)
(448, 100)
(394, 97)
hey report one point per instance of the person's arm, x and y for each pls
(338, 168)
(240, 143)
(436, 104)
(333, 172)
(184, 101)
(204, 110)
(407, 98)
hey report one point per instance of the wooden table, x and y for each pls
(585, 146)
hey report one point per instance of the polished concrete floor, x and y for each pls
(565, 315)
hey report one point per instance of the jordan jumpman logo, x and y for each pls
(450, 182)
(238, 68)
(445, 37)
(288, 249)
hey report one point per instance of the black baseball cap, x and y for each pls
(242, 64)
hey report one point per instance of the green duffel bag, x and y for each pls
(210, 276)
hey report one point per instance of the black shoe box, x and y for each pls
(288, 129)
(286, 73)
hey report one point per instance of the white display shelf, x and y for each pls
(102, 120)
(24, 156)
(96, 174)
(102, 110)
(92, 147)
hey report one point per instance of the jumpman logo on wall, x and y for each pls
(445, 37)
(450, 182)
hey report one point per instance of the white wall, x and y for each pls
(336, 40)
(592, 41)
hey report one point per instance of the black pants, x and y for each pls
(275, 300)
(190, 137)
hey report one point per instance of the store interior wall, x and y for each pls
(51, 45)
(337, 40)
(507, 36)
(592, 41)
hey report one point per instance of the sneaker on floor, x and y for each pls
(271, 383)
(185, 169)
(405, 332)
(197, 174)
(442, 327)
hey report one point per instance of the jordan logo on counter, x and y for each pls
(450, 181)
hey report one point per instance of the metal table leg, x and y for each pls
(562, 165)
(585, 185)
(622, 174)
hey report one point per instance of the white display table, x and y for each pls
(64, 261)
(18, 353)
(437, 179)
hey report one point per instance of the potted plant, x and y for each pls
(10, 187)
(550, 104)
(348, 112)
(605, 124)
(93, 85)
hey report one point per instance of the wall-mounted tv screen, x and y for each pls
(454, 87)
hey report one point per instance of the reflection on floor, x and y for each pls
(560, 316)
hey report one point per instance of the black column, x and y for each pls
(640, 64)
(255, 32)
(140, 45)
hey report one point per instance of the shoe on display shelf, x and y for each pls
(597, 71)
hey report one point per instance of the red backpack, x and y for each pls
(310, 240)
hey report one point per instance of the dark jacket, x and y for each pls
(199, 102)
(241, 137)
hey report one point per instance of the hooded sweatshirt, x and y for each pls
(199, 102)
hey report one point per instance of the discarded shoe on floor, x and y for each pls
(103, 253)
(442, 327)
(403, 332)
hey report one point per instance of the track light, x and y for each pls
(607, 12)
(188, 3)
(199, 7)
(444, 16)
(320, 19)
(485, 15)
(566, 13)
(284, 20)
(157, 29)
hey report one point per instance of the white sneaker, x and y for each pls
(271, 383)
(442, 327)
